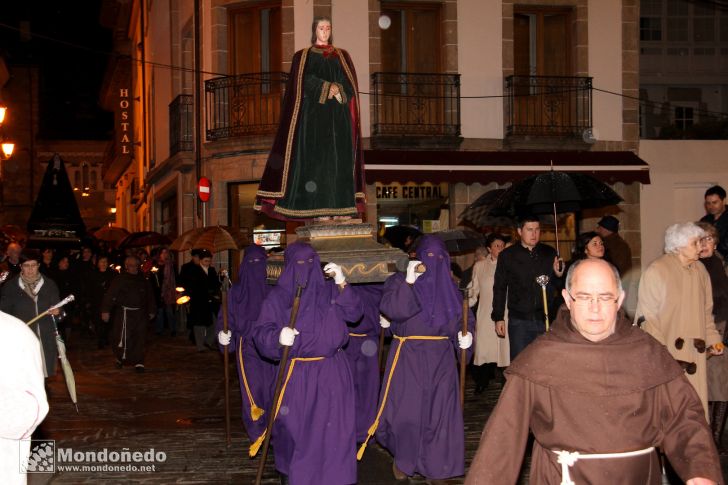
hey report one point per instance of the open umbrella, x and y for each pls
(183, 241)
(13, 233)
(215, 239)
(144, 238)
(111, 234)
(461, 240)
(481, 212)
(550, 192)
(397, 236)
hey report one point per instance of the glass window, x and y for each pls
(704, 51)
(677, 8)
(651, 8)
(724, 28)
(683, 117)
(677, 29)
(650, 28)
(704, 29)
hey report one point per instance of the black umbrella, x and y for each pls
(461, 240)
(397, 236)
(546, 193)
(483, 211)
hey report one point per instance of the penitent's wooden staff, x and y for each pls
(279, 385)
(463, 352)
(225, 357)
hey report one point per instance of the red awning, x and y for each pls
(387, 166)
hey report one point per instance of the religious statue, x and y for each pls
(315, 168)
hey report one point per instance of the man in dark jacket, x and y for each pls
(132, 301)
(27, 295)
(203, 287)
(515, 281)
(99, 283)
(717, 215)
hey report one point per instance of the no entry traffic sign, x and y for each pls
(203, 189)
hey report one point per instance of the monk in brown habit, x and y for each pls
(599, 396)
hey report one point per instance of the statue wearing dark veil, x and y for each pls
(315, 167)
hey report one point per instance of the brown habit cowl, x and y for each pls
(622, 394)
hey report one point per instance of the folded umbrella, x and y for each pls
(66, 367)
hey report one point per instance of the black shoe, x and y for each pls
(118, 364)
(139, 368)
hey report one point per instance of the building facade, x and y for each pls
(457, 97)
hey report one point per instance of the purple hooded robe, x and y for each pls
(363, 354)
(422, 420)
(314, 431)
(243, 303)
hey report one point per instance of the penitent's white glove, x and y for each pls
(335, 270)
(287, 336)
(412, 273)
(224, 338)
(465, 341)
(384, 322)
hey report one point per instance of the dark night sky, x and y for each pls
(70, 76)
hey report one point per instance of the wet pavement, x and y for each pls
(176, 408)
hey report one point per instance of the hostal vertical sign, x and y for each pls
(124, 117)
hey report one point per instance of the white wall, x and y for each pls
(352, 34)
(480, 63)
(680, 171)
(605, 66)
(302, 19)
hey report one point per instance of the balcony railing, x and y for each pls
(424, 105)
(548, 105)
(181, 124)
(243, 105)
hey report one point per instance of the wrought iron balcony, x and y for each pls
(243, 105)
(548, 105)
(181, 124)
(410, 104)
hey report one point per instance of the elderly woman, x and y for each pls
(675, 304)
(717, 366)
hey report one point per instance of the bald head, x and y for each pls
(590, 265)
(593, 295)
(13, 251)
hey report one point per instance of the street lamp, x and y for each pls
(7, 149)
(6, 146)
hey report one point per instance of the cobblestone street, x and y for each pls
(177, 407)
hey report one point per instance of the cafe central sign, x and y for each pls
(411, 191)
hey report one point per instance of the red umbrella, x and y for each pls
(13, 233)
(111, 234)
(144, 238)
